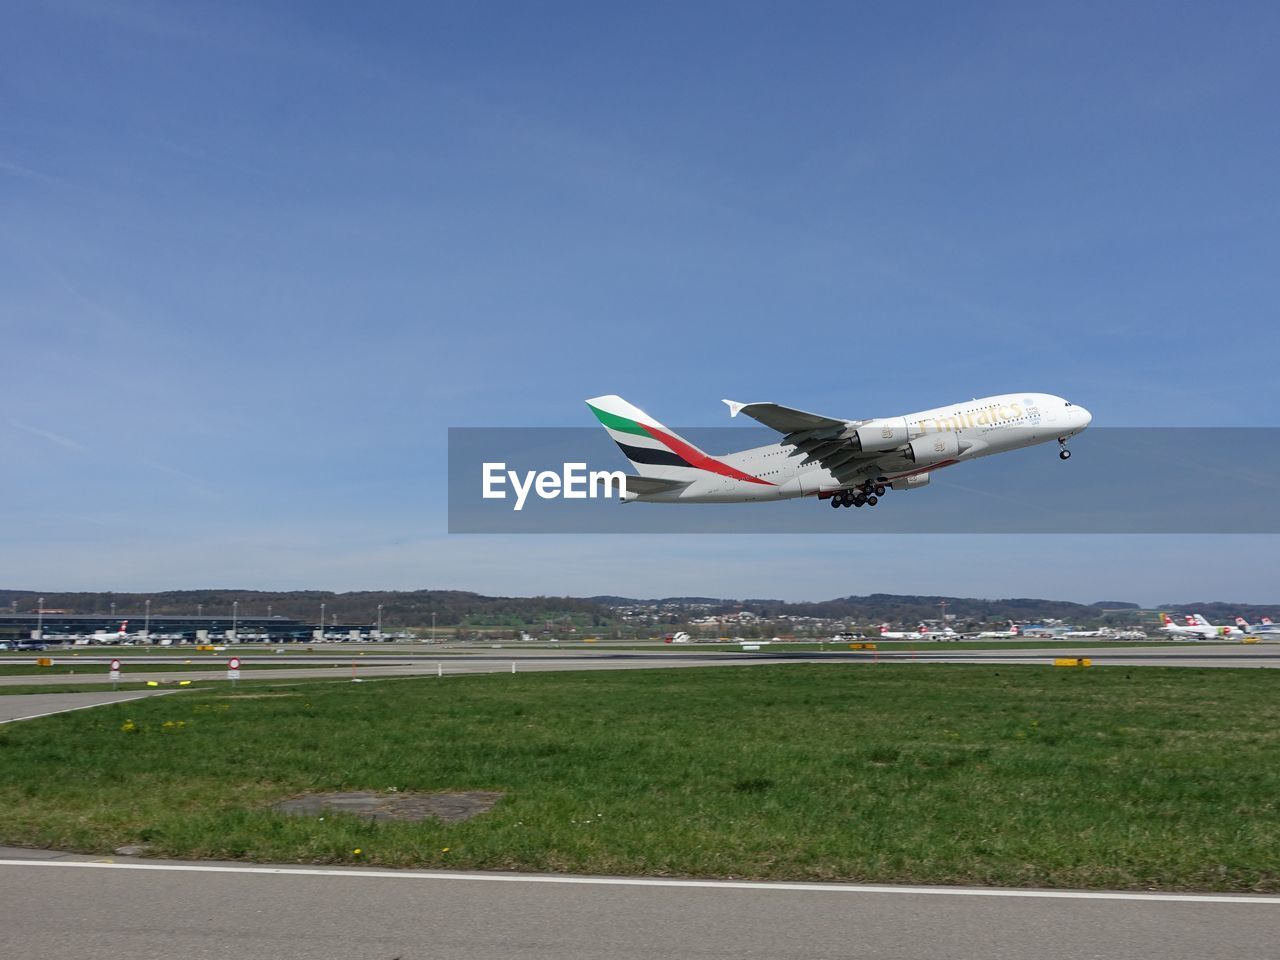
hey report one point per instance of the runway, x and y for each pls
(348, 664)
(58, 905)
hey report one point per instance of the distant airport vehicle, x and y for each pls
(1013, 631)
(849, 462)
(1192, 629)
(1263, 628)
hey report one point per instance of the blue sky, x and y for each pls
(255, 259)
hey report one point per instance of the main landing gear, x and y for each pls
(1063, 453)
(867, 494)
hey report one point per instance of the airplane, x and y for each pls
(1085, 634)
(1013, 631)
(120, 636)
(917, 634)
(849, 462)
(1206, 631)
(1257, 629)
(1225, 631)
(946, 633)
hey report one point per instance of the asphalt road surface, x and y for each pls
(61, 906)
(31, 706)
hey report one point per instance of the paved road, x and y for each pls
(35, 705)
(56, 906)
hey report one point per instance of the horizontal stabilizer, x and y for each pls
(644, 485)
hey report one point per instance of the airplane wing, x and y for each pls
(820, 439)
(782, 419)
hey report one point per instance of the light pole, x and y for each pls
(433, 626)
(199, 609)
(235, 618)
(379, 621)
(146, 623)
(40, 619)
(322, 621)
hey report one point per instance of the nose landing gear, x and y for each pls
(1063, 453)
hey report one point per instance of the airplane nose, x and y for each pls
(1084, 416)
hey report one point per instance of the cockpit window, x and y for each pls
(1068, 403)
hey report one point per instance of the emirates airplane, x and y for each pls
(849, 462)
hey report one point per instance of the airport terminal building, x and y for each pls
(72, 627)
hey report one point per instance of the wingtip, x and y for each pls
(734, 407)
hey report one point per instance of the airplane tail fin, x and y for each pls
(1242, 623)
(653, 450)
(1202, 622)
(1166, 620)
(1267, 621)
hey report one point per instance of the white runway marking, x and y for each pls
(650, 882)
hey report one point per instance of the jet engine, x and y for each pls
(876, 436)
(911, 483)
(932, 449)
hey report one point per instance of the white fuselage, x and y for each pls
(1197, 631)
(981, 427)
(1259, 629)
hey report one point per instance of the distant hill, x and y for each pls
(399, 608)
(1222, 611)
(457, 608)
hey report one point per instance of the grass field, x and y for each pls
(1151, 778)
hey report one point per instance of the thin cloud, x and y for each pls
(56, 438)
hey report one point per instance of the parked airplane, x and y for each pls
(1258, 629)
(917, 634)
(1223, 630)
(849, 462)
(1085, 634)
(1192, 630)
(946, 633)
(118, 636)
(1013, 631)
